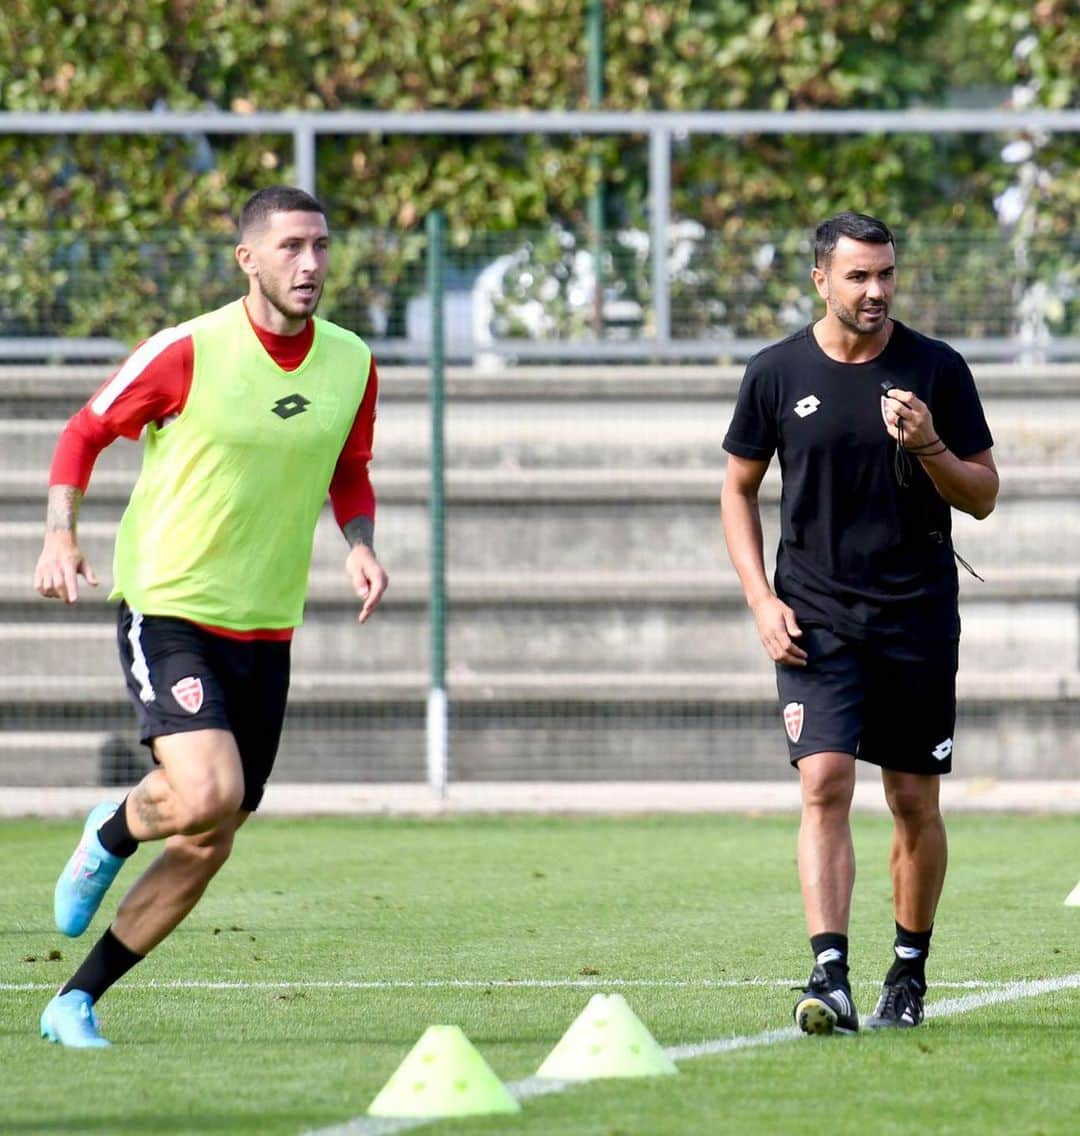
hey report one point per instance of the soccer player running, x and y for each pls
(879, 433)
(252, 414)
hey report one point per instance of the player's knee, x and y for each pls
(828, 799)
(206, 807)
(827, 789)
(912, 805)
(214, 852)
(204, 853)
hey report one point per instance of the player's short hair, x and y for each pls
(857, 226)
(275, 199)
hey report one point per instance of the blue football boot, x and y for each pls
(86, 876)
(69, 1019)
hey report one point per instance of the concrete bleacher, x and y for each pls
(595, 626)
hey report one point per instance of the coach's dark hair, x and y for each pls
(276, 199)
(857, 226)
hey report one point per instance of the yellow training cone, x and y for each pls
(607, 1039)
(443, 1075)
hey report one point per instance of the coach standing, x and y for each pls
(252, 414)
(879, 433)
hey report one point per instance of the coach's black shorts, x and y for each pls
(892, 704)
(181, 678)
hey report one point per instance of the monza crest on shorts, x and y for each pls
(188, 692)
(793, 720)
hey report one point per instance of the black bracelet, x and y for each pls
(933, 453)
(924, 446)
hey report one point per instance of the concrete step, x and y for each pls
(720, 589)
(533, 538)
(667, 416)
(554, 625)
(569, 727)
(621, 482)
(74, 696)
(578, 522)
(521, 435)
(664, 432)
(53, 756)
(52, 699)
(510, 382)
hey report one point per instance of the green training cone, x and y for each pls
(607, 1039)
(443, 1075)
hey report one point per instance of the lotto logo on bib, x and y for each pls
(793, 720)
(188, 692)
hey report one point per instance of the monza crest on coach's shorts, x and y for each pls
(188, 692)
(793, 720)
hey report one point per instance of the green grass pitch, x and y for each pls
(327, 946)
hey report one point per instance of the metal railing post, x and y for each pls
(595, 64)
(659, 217)
(438, 732)
(304, 156)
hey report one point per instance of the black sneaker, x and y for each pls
(825, 1006)
(900, 1005)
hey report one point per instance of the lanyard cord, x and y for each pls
(902, 472)
(901, 461)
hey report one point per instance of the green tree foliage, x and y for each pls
(249, 55)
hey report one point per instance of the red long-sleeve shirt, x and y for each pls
(152, 386)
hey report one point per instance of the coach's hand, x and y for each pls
(778, 629)
(369, 579)
(904, 406)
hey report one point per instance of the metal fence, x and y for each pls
(593, 628)
(671, 306)
(530, 295)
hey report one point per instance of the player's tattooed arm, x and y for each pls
(62, 510)
(61, 563)
(360, 530)
(369, 578)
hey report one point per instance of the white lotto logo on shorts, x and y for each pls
(793, 720)
(189, 693)
(942, 749)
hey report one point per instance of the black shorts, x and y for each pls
(182, 678)
(892, 704)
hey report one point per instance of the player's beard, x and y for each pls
(279, 299)
(862, 323)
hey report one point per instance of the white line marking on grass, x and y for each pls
(488, 984)
(1010, 992)
(535, 1086)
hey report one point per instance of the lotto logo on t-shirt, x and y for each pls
(793, 720)
(188, 692)
(806, 406)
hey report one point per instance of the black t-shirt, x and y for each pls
(858, 553)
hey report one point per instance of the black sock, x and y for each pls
(108, 961)
(910, 950)
(830, 951)
(114, 834)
